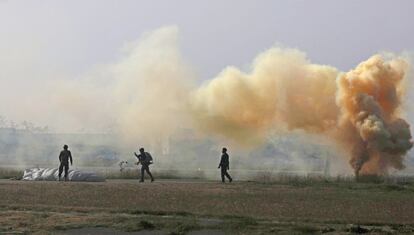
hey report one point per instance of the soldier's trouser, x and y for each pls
(143, 169)
(66, 166)
(224, 173)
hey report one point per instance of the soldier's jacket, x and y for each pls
(224, 162)
(145, 159)
(65, 156)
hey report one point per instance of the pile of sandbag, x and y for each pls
(52, 174)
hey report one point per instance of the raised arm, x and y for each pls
(138, 157)
(70, 158)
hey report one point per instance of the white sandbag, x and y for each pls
(52, 174)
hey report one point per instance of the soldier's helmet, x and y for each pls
(141, 149)
(65, 146)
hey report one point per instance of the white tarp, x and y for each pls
(52, 174)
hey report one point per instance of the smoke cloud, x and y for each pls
(284, 90)
(152, 92)
(359, 109)
(370, 99)
(141, 97)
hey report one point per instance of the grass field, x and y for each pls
(180, 207)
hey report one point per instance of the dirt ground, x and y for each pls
(185, 207)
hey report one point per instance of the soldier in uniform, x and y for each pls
(145, 159)
(225, 166)
(64, 158)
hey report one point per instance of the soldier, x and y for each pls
(64, 158)
(145, 159)
(225, 165)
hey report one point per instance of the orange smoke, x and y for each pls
(151, 93)
(370, 97)
(359, 109)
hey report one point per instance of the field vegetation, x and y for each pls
(292, 205)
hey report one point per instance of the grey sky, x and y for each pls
(40, 39)
(73, 35)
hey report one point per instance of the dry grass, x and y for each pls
(364, 203)
(163, 174)
(301, 206)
